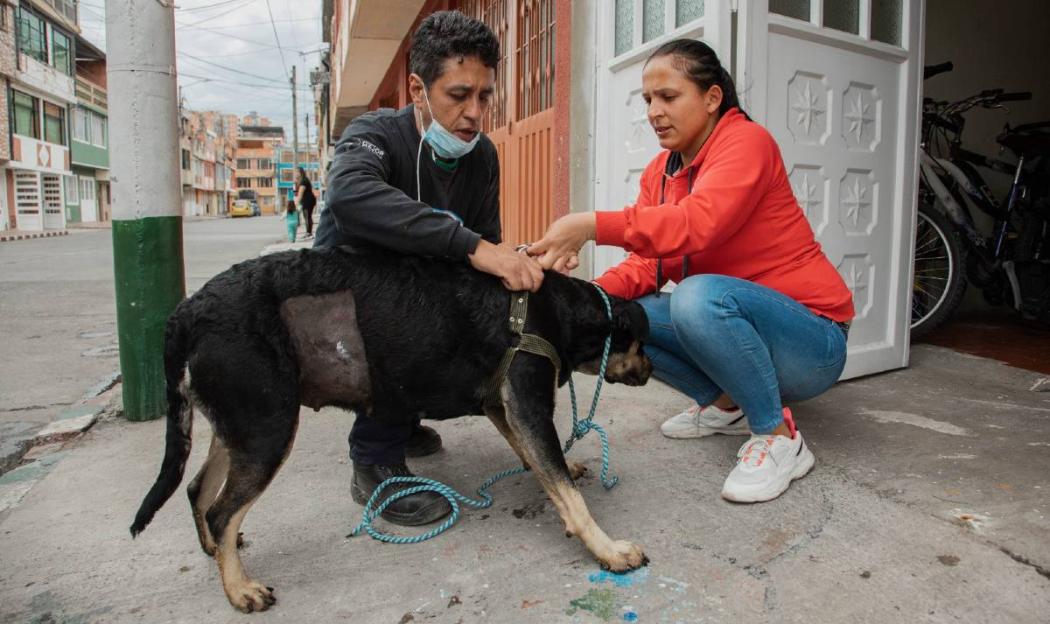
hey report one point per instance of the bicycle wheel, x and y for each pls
(939, 278)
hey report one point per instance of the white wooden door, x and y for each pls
(28, 201)
(837, 84)
(629, 31)
(53, 204)
(88, 201)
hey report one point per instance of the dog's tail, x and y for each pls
(180, 424)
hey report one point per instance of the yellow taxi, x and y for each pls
(242, 208)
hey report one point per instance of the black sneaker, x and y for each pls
(423, 441)
(412, 510)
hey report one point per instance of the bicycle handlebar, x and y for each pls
(932, 70)
(1015, 97)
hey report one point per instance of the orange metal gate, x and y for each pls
(521, 119)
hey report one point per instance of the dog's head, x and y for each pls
(628, 363)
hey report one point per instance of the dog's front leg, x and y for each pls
(528, 399)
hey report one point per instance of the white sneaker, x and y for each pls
(698, 422)
(766, 466)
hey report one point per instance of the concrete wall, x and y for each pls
(993, 45)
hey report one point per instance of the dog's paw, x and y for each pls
(625, 557)
(576, 470)
(251, 596)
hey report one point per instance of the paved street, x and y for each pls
(58, 314)
(928, 502)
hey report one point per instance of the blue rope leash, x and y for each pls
(579, 429)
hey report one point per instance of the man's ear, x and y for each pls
(630, 316)
(415, 89)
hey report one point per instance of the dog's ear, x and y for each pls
(630, 316)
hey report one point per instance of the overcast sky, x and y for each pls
(231, 59)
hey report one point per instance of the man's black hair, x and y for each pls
(448, 34)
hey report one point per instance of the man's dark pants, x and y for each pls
(372, 442)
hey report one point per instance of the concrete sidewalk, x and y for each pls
(928, 504)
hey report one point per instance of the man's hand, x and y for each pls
(560, 247)
(518, 271)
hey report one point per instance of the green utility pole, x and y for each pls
(146, 191)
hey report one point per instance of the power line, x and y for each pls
(220, 14)
(232, 69)
(277, 39)
(229, 26)
(211, 6)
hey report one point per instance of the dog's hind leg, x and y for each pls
(253, 464)
(204, 488)
(528, 398)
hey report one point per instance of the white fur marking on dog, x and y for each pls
(341, 349)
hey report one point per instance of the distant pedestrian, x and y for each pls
(306, 200)
(291, 218)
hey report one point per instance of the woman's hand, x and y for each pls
(559, 248)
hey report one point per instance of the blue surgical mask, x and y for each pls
(444, 143)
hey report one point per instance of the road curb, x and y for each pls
(17, 236)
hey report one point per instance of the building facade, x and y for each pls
(256, 156)
(207, 143)
(87, 189)
(285, 169)
(40, 95)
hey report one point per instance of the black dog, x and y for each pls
(390, 338)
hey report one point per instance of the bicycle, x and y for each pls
(1012, 264)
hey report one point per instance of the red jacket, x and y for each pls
(741, 219)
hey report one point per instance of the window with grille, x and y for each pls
(186, 160)
(244, 163)
(31, 38)
(264, 163)
(535, 57)
(87, 189)
(27, 114)
(265, 183)
(54, 123)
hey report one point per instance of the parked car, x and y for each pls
(252, 201)
(243, 208)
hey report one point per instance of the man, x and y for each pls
(423, 181)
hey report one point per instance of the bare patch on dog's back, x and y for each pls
(329, 348)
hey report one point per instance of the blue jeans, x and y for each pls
(717, 334)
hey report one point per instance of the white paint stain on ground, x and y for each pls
(1039, 444)
(1002, 405)
(904, 418)
(957, 456)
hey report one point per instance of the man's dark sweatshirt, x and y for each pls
(371, 201)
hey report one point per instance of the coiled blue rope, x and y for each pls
(580, 428)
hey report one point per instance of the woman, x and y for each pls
(305, 199)
(759, 315)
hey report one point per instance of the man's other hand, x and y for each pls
(517, 270)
